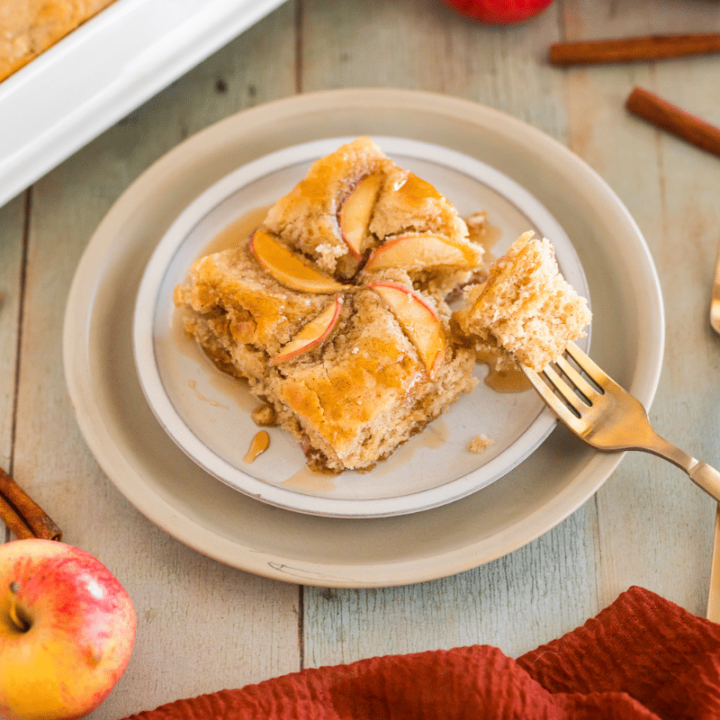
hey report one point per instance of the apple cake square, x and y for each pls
(335, 311)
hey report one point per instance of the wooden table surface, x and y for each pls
(203, 626)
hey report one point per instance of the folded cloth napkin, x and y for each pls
(641, 658)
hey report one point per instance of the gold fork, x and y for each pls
(607, 417)
(715, 298)
(713, 611)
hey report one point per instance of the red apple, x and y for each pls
(67, 628)
(499, 12)
(418, 251)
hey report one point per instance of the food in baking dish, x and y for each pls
(29, 27)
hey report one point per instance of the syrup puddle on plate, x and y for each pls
(433, 437)
(226, 385)
(200, 396)
(258, 445)
(512, 380)
(309, 482)
(237, 231)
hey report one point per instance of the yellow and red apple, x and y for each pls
(418, 319)
(312, 334)
(289, 268)
(67, 628)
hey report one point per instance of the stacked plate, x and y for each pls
(172, 432)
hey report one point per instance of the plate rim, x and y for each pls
(174, 422)
(403, 571)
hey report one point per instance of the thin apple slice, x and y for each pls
(418, 319)
(421, 251)
(355, 213)
(312, 334)
(289, 268)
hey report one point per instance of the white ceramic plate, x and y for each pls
(174, 492)
(208, 415)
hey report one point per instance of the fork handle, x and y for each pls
(702, 474)
(706, 477)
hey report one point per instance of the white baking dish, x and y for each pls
(104, 70)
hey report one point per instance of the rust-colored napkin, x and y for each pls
(641, 658)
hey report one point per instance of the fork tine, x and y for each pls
(576, 378)
(589, 367)
(567, 392)
(554, 403)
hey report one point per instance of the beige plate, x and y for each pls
(194, 507)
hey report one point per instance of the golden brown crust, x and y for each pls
(307, 217)
(29, 27)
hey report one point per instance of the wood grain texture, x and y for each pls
(516, 603)
(201, 626)
(12, 222)
(426, 45)
(654, 525)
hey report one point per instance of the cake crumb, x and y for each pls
(264, 416)
(477, 222)
(479, 444)
(328, 255)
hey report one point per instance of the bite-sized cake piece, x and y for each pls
(526, 309)
(334, 308)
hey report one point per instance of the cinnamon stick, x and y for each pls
(14, 522)
(22, 514)
(633, 49)
(679, 122)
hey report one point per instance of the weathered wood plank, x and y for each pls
(201, 626)
(427, 46)
(656, 526)
(516, 603)
(12, 221)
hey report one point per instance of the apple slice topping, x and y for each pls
(418, 319)
(288, 267)
(312, 334)
(355, 213)
(420, 251)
